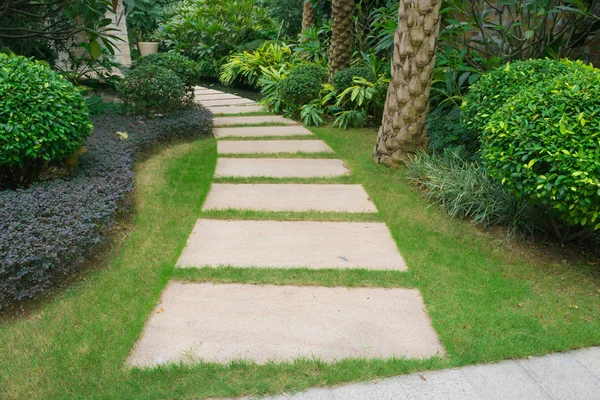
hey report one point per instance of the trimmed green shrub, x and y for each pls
(303, 84)
(496, 88)
(151, 89)
(43, 118)
(343, 79)
(544, 145)
(186, 69)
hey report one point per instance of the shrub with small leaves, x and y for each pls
(151, 89)
(48, 229)
(302, 85)
(446, 132)
(344, 79)
(43, 118)
(186, 69)
(544, 145)
(496, 88)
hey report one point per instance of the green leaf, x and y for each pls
(95, 50)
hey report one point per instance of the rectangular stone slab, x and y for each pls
(291, 244)
(260, 131)
(207, 91)
(227, 102)
(220, 323)
(272, 146)
(241, 109)
(280, 168)
(272, 119)
(217, 96)
(289, 197)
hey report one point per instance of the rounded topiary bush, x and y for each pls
(152, 89)
(303, 84)
(43, 118)
(186, 69)
(343, 79)
(495, 88)
(544, 145)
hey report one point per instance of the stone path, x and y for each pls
(197, 322)
(564, 376)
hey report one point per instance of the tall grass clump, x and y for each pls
(464, 190)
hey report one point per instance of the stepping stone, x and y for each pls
(227, 102)
(205, 322)
(269, 119)
(291, 244)
(280, 168)
(261, 131)
(219, 96)
(235, 109)
(289, 197)
(272, 146)
(207, 91)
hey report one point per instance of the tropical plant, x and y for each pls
(344, 78)
(340, 49)
(313, 44)
(247, 66)
(519, 29)
(144, 20)
(270, 81)
(366, 96)
(309, 14)
(43, 118)
(210, 31)
(312, 114)
(403, 128)
(543, 145)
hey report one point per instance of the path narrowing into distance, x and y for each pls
(224, 322)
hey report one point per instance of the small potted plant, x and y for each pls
(147, 47)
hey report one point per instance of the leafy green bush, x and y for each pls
(302, 84)
(494, 89)
(209, 31)
(344, 78)
(254, 45)
(445, 131)
(544, 146)
(151, 89)
(186, 69)
(43, 118)
(248, 67)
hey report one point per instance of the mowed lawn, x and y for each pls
(487, 301)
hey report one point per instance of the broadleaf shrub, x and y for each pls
(302, 85)
(186, 69)
(544, 146)
(43, 118)
(495, 88)
(47, 230)
(343, 79)
(446, 132)
(151, 89)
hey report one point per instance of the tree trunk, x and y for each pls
(340, 49)
(403, 128)
(309, 15)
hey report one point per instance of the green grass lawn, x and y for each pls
(487, 302)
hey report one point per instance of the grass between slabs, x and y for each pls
(487, 301)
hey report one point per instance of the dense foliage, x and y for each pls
(446, 132)
(47, 230)
(344, 79)
(210, 31)
(303, 84)
(186, 69)
(151, 89)
(43, 118)
(544, 145)
(494, 89)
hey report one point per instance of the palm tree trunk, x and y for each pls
(309, 15)
(340, 49)
(403, 128)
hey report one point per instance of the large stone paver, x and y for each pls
(224, 103)
(272, 146)
(259, 119)
(506, 380)
(291, 244)
(235, 109)
(280, 168)
(261, 131)
(217, 96)
(289, 197)
(221, 323)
